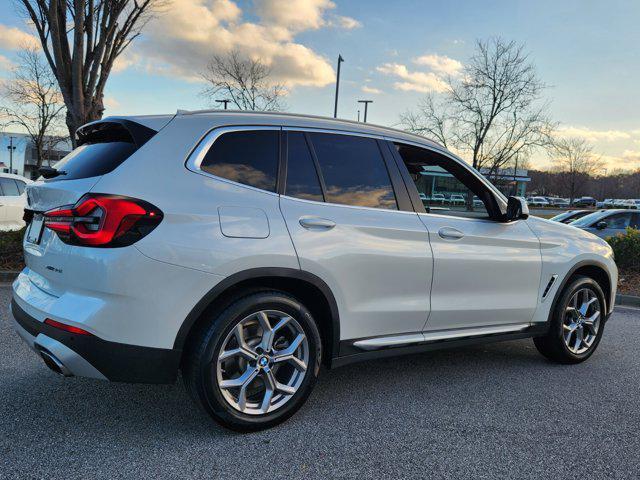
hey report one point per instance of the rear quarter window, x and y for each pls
(247, 157)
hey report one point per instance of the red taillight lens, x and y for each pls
(65, 327)
(100, 220)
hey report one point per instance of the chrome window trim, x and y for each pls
(195, 158)
(373, 209)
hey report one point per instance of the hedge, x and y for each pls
(626, 248)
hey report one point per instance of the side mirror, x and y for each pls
(601, 225)
(517, 209)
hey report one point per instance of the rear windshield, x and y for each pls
(102, 150)
(93, 160)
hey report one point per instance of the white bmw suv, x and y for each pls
(246, 250)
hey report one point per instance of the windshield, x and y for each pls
(588, 220)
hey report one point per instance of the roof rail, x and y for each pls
(304, 115)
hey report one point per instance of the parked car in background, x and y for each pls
(585, 202)
(618, 203)
(438, 198)
(608, 203)
(538, 202)
(607, 223)
(559, 202)
(632, 204)
(255, 268)
(12, 201)
(570, 216)
(456, 199)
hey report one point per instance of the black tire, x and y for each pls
(199, 368)
(552, 345)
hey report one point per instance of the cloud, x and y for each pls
(294, 15)
(5, 64)
(594, 135)
(12, 38)
(440, 64)
(111, 103)
(631, 155)
(181, 43)
(372, 90)
(423, 82)
(346, 23)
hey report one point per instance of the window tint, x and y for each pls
(302, 178)
(93, 160)
(635, 221)
(249, 157)
(20, 186)
(9, 187)
(446, 187)
(618, 221)
(354, 171)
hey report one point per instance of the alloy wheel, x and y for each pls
(262, 362)
(581, 321)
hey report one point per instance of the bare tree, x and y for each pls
(243, 80)
(491, 111)
(34, 101)
(81, 40)
(576, 163)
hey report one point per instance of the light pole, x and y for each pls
(11, 148)
(225, 101)
(335, 108)
(366, 105)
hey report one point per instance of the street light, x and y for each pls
(335, 108)
(225, 101)
(366, 104)
(11, 148)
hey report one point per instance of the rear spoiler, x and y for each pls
(114, 129)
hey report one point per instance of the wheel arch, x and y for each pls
(591, 269)
(308, 288)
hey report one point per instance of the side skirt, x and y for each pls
(353, 354)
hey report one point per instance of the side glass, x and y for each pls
(444, 186)
(354, 171)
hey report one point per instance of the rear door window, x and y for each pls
(247, 157)
(354, 171)
(9, 187)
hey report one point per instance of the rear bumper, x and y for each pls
(91, 356)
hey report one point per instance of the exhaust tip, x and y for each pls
(54, 364)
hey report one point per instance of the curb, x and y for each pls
(627, 300)
(8, 276)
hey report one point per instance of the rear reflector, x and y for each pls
(66, 328)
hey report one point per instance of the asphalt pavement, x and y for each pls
(496, 411)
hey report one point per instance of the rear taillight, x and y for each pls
(100, 220)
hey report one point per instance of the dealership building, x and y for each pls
(18, 154)
(436, 180)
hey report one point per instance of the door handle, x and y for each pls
(450, 233)
(317, 223)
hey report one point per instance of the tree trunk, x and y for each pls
(84, 116)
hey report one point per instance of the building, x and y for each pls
(436, 180)
(18, 153)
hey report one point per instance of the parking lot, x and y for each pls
(497, 411)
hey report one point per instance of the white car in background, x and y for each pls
(12, 201)
(456, 199)
(538, 202)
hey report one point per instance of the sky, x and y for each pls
(587, 51)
